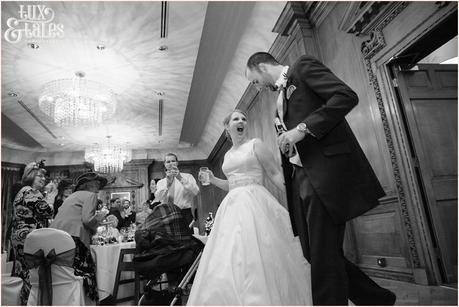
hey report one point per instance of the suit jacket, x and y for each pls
(76, 216)
(333, 160)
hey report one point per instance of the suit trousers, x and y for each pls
(334, 278)
(187, 215)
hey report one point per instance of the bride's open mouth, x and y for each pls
(240, 129)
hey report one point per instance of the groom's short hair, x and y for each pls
(261, 57)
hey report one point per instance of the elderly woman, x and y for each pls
(109, 230)
(78, 217)
(30, 211)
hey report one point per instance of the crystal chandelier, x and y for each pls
(77, 101)
(108, 158)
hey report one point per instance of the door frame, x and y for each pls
(378, 58)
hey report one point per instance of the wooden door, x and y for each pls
(429, 99)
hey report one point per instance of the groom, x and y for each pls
(328, 178)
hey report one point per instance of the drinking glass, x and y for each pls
(204, 175)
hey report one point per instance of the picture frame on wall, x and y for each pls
(121, 195)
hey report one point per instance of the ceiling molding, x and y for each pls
(362, 17)
(317, 11)
(293, 11)
(36, 118)
(13, 135)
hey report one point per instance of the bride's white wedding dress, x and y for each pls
(251, 256)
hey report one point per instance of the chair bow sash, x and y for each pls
(45, 282)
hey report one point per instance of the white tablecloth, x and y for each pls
(106, 259)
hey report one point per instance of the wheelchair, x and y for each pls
(165, 246)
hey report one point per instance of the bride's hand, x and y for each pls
(211, 176)
(209, 172)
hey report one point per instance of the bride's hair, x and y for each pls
(228, 117)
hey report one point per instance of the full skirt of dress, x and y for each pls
(251, 256)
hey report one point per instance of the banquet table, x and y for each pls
(106, 259)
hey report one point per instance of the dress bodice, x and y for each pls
(242, 167)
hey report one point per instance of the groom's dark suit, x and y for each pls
(335, 184)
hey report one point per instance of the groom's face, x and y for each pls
(260, 77)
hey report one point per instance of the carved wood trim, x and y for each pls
(388, 274)
(291, 12)
(363, 17)
(317, 11)
(369, 49)
(12, 166)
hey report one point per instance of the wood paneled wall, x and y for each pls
(378, 236)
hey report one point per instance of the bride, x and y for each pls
(251, 256)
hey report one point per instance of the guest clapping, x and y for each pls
(30, 211)
(126, 214)
(177, 188)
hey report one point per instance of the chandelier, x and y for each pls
(108, 158)
(77, 101)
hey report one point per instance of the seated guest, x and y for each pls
(142, 215)
(115, 204)
(64, 189)
(78, 217)
(115, 207)
(127, 215)
(110, 230)
(31, 210)
(177, 188)
(164, 243)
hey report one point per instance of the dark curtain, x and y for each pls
(10, 178)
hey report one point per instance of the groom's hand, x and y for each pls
(286, 140)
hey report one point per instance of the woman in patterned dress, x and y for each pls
(30, 211)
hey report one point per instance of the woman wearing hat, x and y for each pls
(30, 211)
(78, 217)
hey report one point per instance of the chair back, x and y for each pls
(48, 239)
(53, 284)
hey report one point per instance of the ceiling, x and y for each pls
(207, 46)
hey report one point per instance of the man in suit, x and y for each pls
(328, 178)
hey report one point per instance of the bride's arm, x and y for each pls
(267, 160)
(221, 183)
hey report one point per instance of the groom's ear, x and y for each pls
(262, 67)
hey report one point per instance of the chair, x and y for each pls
(166, 245)
(67, 289)
(128, 266)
